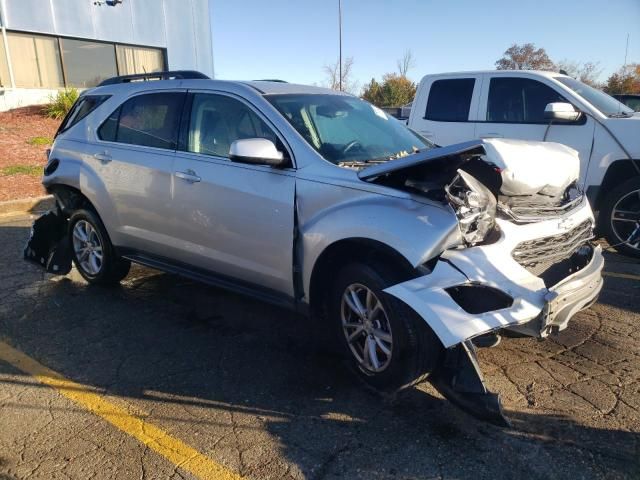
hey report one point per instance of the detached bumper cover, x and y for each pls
(544, 309)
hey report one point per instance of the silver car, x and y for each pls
(410, 256)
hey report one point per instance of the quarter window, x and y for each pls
(217, 121)
(83, 107)
(450, 100)
(149, 120)
(519, 100)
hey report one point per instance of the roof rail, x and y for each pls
(270, 80)
(168, 75)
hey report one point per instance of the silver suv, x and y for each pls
(409, 255)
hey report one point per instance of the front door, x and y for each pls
(514, 108)
(232, 218)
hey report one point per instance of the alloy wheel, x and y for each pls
(87, 247)
(625, 217)
(366, 327)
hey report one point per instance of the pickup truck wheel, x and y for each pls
(93, 254)
(383, 341)
(621, 217)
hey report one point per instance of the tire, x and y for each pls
(625, 197)
(414, 349)
(92, 252)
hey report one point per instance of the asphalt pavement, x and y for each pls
(167, 378)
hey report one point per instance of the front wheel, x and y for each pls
(620, 217)
(383, 341)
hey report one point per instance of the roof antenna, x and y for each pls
(624, 70)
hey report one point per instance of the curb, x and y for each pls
(27, 205)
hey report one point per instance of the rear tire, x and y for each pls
(623, 201)
(92, 251)
(387, 345)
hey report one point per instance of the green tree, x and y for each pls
(525, 57)
(394, 91)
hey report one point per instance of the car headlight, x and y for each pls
(475, 207)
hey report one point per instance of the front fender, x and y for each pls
(330, 213)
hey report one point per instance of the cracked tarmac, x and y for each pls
(246, 384)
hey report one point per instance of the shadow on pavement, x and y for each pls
(231, 375)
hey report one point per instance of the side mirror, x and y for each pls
(561, 112)
(258, 151)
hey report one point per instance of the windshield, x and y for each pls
(603, 102)
(346, 129)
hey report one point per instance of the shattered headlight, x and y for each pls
(475, 207)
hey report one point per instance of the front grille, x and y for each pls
(540, 254)
(532, 208)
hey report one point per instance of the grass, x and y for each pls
(39, 141)
(33, 170)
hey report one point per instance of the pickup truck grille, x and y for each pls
(540, 254)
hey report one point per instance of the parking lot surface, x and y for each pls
(167, 378)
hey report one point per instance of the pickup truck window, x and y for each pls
(346, 129)
(519, 100)
(450, 100)
(603, 102)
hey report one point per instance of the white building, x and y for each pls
(46, 45)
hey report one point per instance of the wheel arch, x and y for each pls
(349, 250)
(617, 172)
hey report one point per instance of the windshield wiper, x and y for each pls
(621, 115)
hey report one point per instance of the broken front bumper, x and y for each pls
(490, 274)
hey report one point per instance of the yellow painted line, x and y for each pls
(174, 450)
(628, 276)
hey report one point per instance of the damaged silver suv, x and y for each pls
(410, 255)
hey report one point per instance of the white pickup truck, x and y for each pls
(535, 105)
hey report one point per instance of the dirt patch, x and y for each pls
(25, 134)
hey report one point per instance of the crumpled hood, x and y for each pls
(525, 167)
(529, 167)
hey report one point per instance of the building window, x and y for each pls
(86, 64)
(139, 60)
(35, 60)
(38, 61)
(5, 78)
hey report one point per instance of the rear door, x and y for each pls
(133, 158)
(513, 107)
(232, 218)
(446, 109)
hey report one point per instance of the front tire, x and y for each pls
(93, 254)
(620, 216)
(383, 341)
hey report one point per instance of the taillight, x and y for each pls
(51, 166)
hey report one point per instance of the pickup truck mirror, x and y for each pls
(561, 112)
(258, 151)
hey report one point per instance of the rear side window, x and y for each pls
(83, 107)
(519, 100)
(450, 100)
(149, 120)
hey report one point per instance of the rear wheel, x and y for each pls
(93, 254)
(621, 217)
(383, 341)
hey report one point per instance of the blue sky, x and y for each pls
(293, 39)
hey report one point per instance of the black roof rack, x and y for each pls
(169, 75)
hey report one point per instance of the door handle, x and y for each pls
(492, 135)
(104, 157)
(190, 176)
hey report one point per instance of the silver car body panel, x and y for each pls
(489, 265)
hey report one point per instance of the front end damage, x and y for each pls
(525, 265)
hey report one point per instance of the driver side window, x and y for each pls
(519, 100)
(217, 121)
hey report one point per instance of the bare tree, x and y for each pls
(588, 72)
(332, 73)
(406, 63)
(525, 57)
